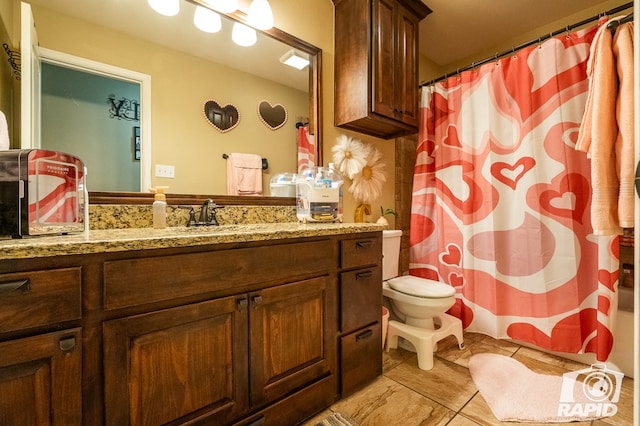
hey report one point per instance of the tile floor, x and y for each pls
(446, 395)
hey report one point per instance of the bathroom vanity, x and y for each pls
(245, 324)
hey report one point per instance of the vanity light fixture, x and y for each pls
(223, 6)
(295, 59)
(243, 35)
(207, 20)
(260, 15)
(165, 7)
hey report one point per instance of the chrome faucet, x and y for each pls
(207, 214)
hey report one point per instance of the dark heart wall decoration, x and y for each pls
(272, 116)
(222, 118)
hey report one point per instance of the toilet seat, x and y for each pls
(421, 287)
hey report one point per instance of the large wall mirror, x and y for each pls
(188, 68)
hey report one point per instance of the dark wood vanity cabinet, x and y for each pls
(223, 334)
(40, 349)
(360, 313)
(376, 66)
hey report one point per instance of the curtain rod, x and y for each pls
(529, 43)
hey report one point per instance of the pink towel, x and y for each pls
(598, 133)
(244, 174)
(306, 148)
(623, 52)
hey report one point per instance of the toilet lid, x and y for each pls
(421, 287)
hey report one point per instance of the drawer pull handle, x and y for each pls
(257, 301)
(242, 304)
(364, 275)
(67, 344)
(364, 335)
(20, 285)
(364, 244)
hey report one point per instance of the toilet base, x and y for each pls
(424, 340)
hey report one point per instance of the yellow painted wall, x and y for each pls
(180, 85)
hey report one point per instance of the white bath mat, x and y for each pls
(515, 393)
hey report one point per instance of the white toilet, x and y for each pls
(420, 303)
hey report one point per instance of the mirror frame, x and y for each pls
(315, 127)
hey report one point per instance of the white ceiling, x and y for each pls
(455, 30)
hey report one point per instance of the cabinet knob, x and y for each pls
(67, 344)
(257, 301)
(241, 304)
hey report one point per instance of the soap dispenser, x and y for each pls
(159, 207)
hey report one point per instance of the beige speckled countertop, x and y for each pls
(115, 240)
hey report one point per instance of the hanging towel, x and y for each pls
(306, 149)
(4, 132)
(598, 133)
(623, 52)
(244, 174)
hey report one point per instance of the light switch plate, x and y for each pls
(165, 171)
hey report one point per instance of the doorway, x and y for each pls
(96, 118)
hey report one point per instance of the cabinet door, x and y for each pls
(179, 364)
(406, 69)
(40, 380)
(288, 338)
(384, 59)
(395, 62)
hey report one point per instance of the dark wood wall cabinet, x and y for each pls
(266, 332)
(376, 66)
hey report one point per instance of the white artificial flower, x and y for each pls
(349, 155)
(367, 185)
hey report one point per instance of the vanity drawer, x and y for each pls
(39, 298)
(134, 282)
(360, 298)
(360, 358)
(360, 252)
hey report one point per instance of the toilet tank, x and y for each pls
(390, 253)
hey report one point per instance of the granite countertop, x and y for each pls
(115, 240)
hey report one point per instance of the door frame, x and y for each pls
(105, 70)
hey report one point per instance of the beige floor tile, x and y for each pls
(478, 411)
(394, 357)
(318, 418)
(447, 383)
(553, 360)
(385, 402)
(474, 343)
(460, 420)
(406, 395)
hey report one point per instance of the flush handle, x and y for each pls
(19, 285)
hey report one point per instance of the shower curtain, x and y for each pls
(501, 199)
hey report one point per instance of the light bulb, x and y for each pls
(243, 35)
(260, 15)
(165, 7)
(207, 20)
(223, 6)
